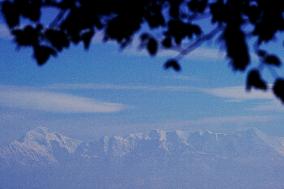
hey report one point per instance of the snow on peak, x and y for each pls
(177, 136)
(39, 145)
(43, 137)
(157, 134)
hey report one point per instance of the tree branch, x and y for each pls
(197, 43)
(57, 19)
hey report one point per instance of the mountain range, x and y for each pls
(159, 159)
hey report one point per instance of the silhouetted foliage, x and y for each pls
(254, 80)
(183, 25)
(278, 89)
(172, 63)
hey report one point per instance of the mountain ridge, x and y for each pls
(40, 143)
(158, 159)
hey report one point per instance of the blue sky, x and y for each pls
(105, 91)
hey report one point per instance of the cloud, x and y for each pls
(33, 99)
(234, 93)
(201, 53)
(94, 86)
(238, 93)
(185, 78)
(269, 106)
(265, 101)
(235, 120)
(210, 123)
(4, 32)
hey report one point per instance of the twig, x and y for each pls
(57, 19)
(197, 43)
(195, 17)
(272, 72)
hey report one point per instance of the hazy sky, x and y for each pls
(105, 91)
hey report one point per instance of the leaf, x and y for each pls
(265, 30)
(30, 9)
(254, 80)
(11, 13)
(179, 30)
(278, 89)
(196, 29)
(236, 46)
(272, 60)
(144, 37)
(87, 38)
(28, 36)
(253, 13)
(172, 63)
(218, 11)
(261, 53)
(155, 20)
(58, 39)
(67, 3)
(167, 42)
(42, 54)
(152, 46)
(197, 5)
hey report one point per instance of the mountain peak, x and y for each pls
(38, 134)
(42, 136)
(178, 159)
(40, 144)
(157, 134)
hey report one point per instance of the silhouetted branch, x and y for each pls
(197, 43)
(273, 72)
(196, 17)
(58, 18)
(238, 21)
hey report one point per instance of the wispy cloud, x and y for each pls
(185, 78)
(233, 93)
(4, 32)
(235, 120)
(238, 93)
(264, 101)
(94, 86)
(212, 123)
(201, 53)
(33, 99)
(269, 106)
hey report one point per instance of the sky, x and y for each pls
(107, 91)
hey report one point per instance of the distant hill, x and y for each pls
(158, 159)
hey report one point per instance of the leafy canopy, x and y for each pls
(173, 24)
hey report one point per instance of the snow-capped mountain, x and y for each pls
(39, 145)
(158, 159)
